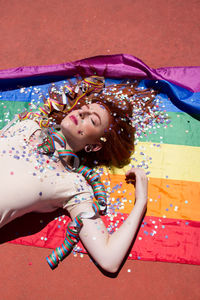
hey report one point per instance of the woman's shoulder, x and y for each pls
(73, 183)
(25, 128)
(79, 180)
(28, 124)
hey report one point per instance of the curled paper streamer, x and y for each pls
(70, 97)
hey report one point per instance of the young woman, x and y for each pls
(39, 165)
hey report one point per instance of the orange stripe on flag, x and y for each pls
(167, 198)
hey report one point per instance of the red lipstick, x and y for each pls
(74, 119)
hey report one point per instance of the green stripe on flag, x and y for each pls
(8, 109)
(182, 130)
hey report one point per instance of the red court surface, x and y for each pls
(40, 32)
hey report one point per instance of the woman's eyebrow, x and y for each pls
(94, 113)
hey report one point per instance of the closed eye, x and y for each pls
(88, 110)
(93, 122)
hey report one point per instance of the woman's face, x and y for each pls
(85, 126)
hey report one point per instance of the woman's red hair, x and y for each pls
(118, 141)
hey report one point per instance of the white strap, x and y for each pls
(5, 128)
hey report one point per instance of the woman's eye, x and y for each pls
(93, 122)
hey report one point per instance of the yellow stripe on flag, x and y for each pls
(175, 162)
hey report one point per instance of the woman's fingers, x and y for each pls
(139, 179)
(133, 173)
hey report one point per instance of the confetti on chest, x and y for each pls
(26, 152)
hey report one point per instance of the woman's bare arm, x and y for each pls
(109, 250)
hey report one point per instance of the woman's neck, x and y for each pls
(60, 145)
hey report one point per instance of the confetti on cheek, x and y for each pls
(129, 270)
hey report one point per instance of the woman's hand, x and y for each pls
(139, 179)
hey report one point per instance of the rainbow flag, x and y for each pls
(168, 151)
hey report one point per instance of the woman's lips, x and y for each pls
(74, 119)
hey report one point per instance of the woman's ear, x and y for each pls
(96, 147)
